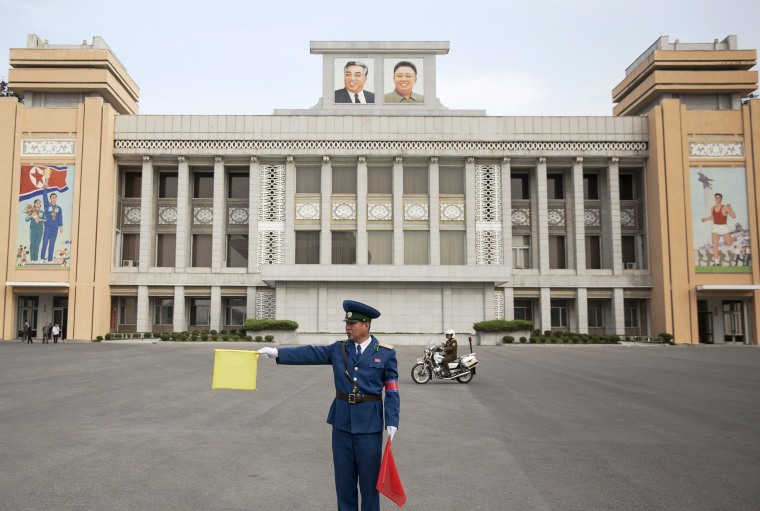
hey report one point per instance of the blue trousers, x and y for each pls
(35, 236)
(356, 457)
(48, 243)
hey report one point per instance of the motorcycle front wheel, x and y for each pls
(465, 378)
(420, 373)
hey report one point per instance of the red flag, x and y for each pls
(32, 180)
(389, 482)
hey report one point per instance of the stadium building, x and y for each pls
(634, 224)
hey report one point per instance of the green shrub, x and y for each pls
(204, 337)
(108, 337)
(99, 338)
(269, 338)
(508, 339)
(523, 339)
(536, 332)
(502, 325)
(547, 333)
(270, 324)
(248, 338)
(259, 338)
(196, 333)
(165, 336)
(533, 339)
(225, 336)
(666, 338)
(558, 333)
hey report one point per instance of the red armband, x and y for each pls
(391, 386)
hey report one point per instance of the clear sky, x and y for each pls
(508, 57)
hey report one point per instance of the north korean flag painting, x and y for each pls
(44, 218)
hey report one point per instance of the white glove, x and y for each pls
(391, 431)
(267, 352)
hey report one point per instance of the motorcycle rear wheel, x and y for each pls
(465, 378)
(421, 373)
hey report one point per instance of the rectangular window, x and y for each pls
(132, 185)
(521, 257)
(237, 250)
(590, 187)
(593, 252)
(127, 310)
(166, 246)
(520, 187)
(628, 245)
(523, 309)
(380, 180)
(416, 247)
(557, 257)
(130, 249)
(307, 247)
(344, 180)
(238, 185)
(596, 313)
(201, 253)
(627, 191)
(343, 247)
(200, 311)
(415, 180)
(631, 313)
(234, 311)
(167, 185)
(163, 311)
(203, 185)
(453, 247)
(380, 245)
(559, 313)
(308, 179)
(451, 180)
(555, 186)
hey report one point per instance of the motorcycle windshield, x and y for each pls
(431, 345)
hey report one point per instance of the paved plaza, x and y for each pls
(137, 427)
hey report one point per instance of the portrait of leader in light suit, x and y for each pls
(355, 74)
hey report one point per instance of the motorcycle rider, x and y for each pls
(449, 351)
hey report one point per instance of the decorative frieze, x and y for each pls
(344, 211)
(716, 149)
(488, 247)
(452, 212)
(521, 217)
(271, 244)
(266, 304)
(48, 147)
(556, 217)
(130, 215)
(487, 193)
(415, 212)
(237, 216)
(203, 215)
(592, 217)
(628, 217)
(498, 304)
(167, 215)
(380, 211)
(307, 211)
(272, 193)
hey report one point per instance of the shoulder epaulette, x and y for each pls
(386, 345)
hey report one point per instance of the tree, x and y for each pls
(6, 92)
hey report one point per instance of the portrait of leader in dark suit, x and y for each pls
(355, 75)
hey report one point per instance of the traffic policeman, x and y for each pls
(362, 368)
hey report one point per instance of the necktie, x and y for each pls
(358, 350)
(356, 98)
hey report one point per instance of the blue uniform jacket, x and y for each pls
(375, 371)
(49, 210)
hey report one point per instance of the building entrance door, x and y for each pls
(61, 313)
(705, 322)
(733, 321)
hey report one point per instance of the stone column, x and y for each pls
(147, 225)
(543, 217)
(289, 250)
(578, 218)
(612, 213)
(144, 320)
(398, 211)
(434, 212)
(184, 216)
(250, 303)
(546, 309)
(506, 219)
(469, 211)
(253, 220)
(325, 238)
(581, 306)
(362, 249)
(509, 303)
(220, 217)
(180, 323)
(216, 308)
(618, 310)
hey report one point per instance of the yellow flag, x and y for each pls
(235, 369)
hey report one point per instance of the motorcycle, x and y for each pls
(461, 370)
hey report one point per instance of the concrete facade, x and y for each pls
(440, 218)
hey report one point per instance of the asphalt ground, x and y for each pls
(137, 427)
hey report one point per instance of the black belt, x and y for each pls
(358, 398)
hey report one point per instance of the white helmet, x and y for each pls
(450, 332)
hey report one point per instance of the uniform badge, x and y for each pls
(377, 360)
